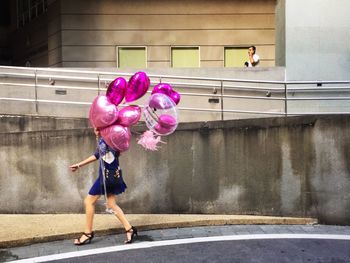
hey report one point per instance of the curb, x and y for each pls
(162, 225)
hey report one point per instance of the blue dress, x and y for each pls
(111, 163)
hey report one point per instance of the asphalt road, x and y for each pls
(236, 243)
(243, 251)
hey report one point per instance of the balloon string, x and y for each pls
(103, 177)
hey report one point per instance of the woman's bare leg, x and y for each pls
(111, 203)
(89, 202)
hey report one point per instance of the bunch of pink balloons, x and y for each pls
(160, 112)
(114, 124)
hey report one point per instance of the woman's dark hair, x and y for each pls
(253, 47)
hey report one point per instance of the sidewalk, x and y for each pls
(17, 230)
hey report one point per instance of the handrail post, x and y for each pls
(222, 99)
(285, 100)
(36, 92)
(98, 84)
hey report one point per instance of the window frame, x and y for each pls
(233, 47)
(131, 46)
(184, 46)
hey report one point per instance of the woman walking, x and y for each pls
(109, 183)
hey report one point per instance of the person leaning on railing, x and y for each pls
(253, 58)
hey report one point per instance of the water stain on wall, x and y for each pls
(302, 155)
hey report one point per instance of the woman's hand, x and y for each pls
(88, 160)
(74, 167)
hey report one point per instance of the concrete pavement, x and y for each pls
(25, 229)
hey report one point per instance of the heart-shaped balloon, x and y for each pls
(166, 124)
(137, 86)
(166, 120)
(167, 90)
(160, 130)
(175, 96)
(102, 112)
(129, 115)
(116, 90)
(117, 137)
(157, 101)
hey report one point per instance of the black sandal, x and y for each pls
(89, 236)
(133, 232)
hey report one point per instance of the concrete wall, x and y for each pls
(280, 166)
(86, 33)
(317, 33)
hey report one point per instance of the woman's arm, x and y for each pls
(88, 160)
(254, 59)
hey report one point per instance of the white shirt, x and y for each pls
(256, 60)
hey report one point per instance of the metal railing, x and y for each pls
(223, 97)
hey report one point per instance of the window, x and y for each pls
(27, 10)
(235, 56)
(185, 57)
(131, 57)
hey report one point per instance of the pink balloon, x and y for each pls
(175, 96)
(157, 101)
(167, 121)
(166, 89)
(129, 115)
(116, 90)
(102, 112)
(160, 114)
(162, 88)
(117, 137)
(163, 130)
(137, 87)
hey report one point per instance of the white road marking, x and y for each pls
(151, 244)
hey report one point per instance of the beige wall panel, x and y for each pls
(99, 53)
(54, 26)
(54, 56)
(212, 64)
(267, 63)
(266, 52)
(158, 64)
(212, 52)
(54, 41)
(137, 22)
(91, 64)
(103, 25)
(158, 53)
(167, 7)
(190, 37)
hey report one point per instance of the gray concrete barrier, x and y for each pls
(295, 166)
